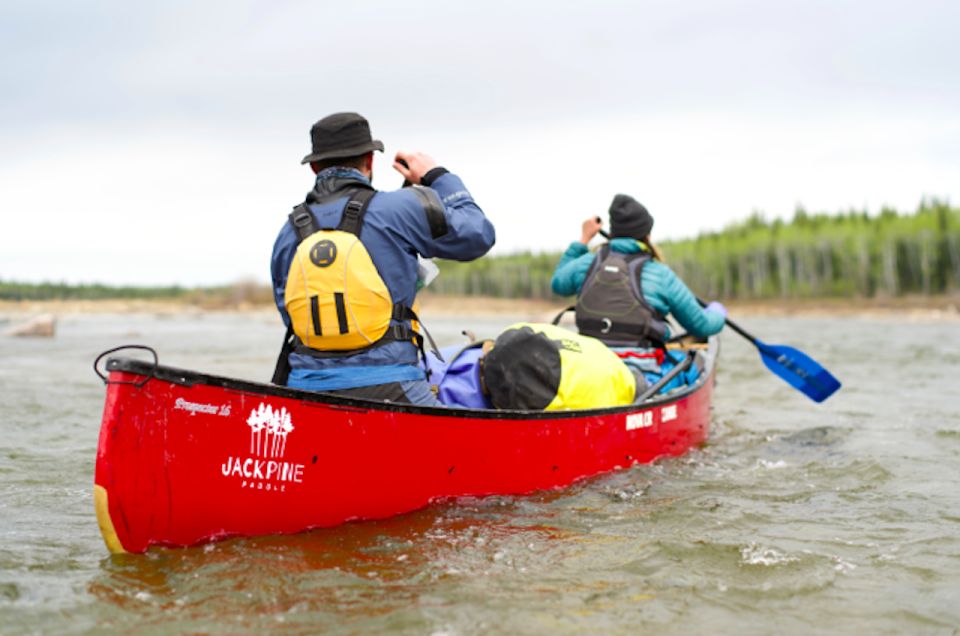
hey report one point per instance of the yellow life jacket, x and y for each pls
(336, 298)
(535, 366)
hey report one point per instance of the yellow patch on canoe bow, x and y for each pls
(104, 520)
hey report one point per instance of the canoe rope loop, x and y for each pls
(106, 379)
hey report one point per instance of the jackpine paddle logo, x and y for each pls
(269, 430)
(264, 468)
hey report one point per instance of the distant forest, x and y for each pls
(244, 292)
(810, 256)
(851, 254)
(64, 291)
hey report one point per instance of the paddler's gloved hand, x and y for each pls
(716, 307)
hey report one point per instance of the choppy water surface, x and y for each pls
(796, 518)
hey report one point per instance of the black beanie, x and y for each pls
(628, 218)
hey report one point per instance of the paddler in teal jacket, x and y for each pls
(661, 289)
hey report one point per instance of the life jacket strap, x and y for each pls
(649, 337)
(305, 224)
(281, 371)
(354, 211)
(403, 313)
(556, 319)
(402, 332)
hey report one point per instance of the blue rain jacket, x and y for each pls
(395, 230)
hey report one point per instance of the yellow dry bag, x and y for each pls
(536, 366)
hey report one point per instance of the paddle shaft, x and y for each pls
(671, 374)
(734, 326)
(406, 182)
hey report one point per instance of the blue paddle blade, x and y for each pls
(799, 371)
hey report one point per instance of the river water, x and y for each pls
(795, 518)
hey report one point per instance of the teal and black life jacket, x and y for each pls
(611, 307)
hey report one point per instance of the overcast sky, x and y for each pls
(158, 143)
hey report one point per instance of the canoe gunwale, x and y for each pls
(185, 377)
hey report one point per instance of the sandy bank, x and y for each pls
(914, 308)
(12, 309)
(941, 308)
(932, 308)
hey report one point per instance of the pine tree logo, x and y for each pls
(268, 430)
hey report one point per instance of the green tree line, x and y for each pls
(852, 254)
(811, 255)
(10, 290)
(241, 292)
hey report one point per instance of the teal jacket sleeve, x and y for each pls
(664, 290)
(572, 270)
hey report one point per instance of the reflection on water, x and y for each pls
(795, 518)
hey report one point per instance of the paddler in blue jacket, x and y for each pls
(345, 264)
(614, 304)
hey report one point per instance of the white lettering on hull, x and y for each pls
(222, 410)
(264, 468)
(639, 420)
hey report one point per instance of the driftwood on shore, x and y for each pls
(42, 326)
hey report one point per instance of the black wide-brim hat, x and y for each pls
(341, 135)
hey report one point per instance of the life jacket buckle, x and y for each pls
(302, 220)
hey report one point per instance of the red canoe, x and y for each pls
(185, 458)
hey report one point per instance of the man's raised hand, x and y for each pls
(417, 165)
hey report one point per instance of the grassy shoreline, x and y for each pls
(946, 307)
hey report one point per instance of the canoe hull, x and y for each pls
(185, 458)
